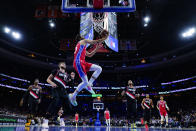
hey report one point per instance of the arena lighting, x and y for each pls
(189, 33)
(177, 81)
(120, 1)
(124, 65)
(13, 87)
(147, 19)
(51, 23)
(166, 92)
(145, 25)
(3, 79)
(15, 78)
(46, 84)
(16, 35)
(142, 86)
(7, 30)
(143, 61)
(180, 90)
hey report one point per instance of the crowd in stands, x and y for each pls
(185, 119)
(12, 112)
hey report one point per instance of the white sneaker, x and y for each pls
(90, 89)
(39, 121)
(32, 122)
(62, 123)
(72, 100)
(45, 123)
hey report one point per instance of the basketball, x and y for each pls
(104, 33)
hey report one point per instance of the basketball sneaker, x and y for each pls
(45, 123)
(72, 100)
(133, 125)
(62, 123)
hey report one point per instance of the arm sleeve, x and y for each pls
(157, 104)
(166, 105)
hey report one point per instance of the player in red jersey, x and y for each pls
(82, 67)
(107, 117)
(76, 118)
(162, 107)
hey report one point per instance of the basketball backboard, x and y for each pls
(74, 6)
(91, 23)
(98, 106)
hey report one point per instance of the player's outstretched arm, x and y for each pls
(166, 106)
(104, 36)
(122, 93)
(151, 102)
(158, 105)
(49, 80)
(142, 104)
(25, 95)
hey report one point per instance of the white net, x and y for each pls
(98, 20)
(98, 108)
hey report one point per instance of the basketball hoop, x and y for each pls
(98, 21)
(98, 108)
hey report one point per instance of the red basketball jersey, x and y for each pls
(162, 105)
(76, 117)
(107, 115)
(80, 52)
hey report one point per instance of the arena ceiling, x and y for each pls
(168, 19)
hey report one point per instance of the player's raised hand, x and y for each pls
(99, 46)
(53, 85)
(104, 33)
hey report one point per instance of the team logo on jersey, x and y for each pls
(130, 95)
(146, 105)
(33, 95)
(36, 90)
(56, 78)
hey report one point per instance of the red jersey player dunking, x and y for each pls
(82, 67)
(162, 107)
